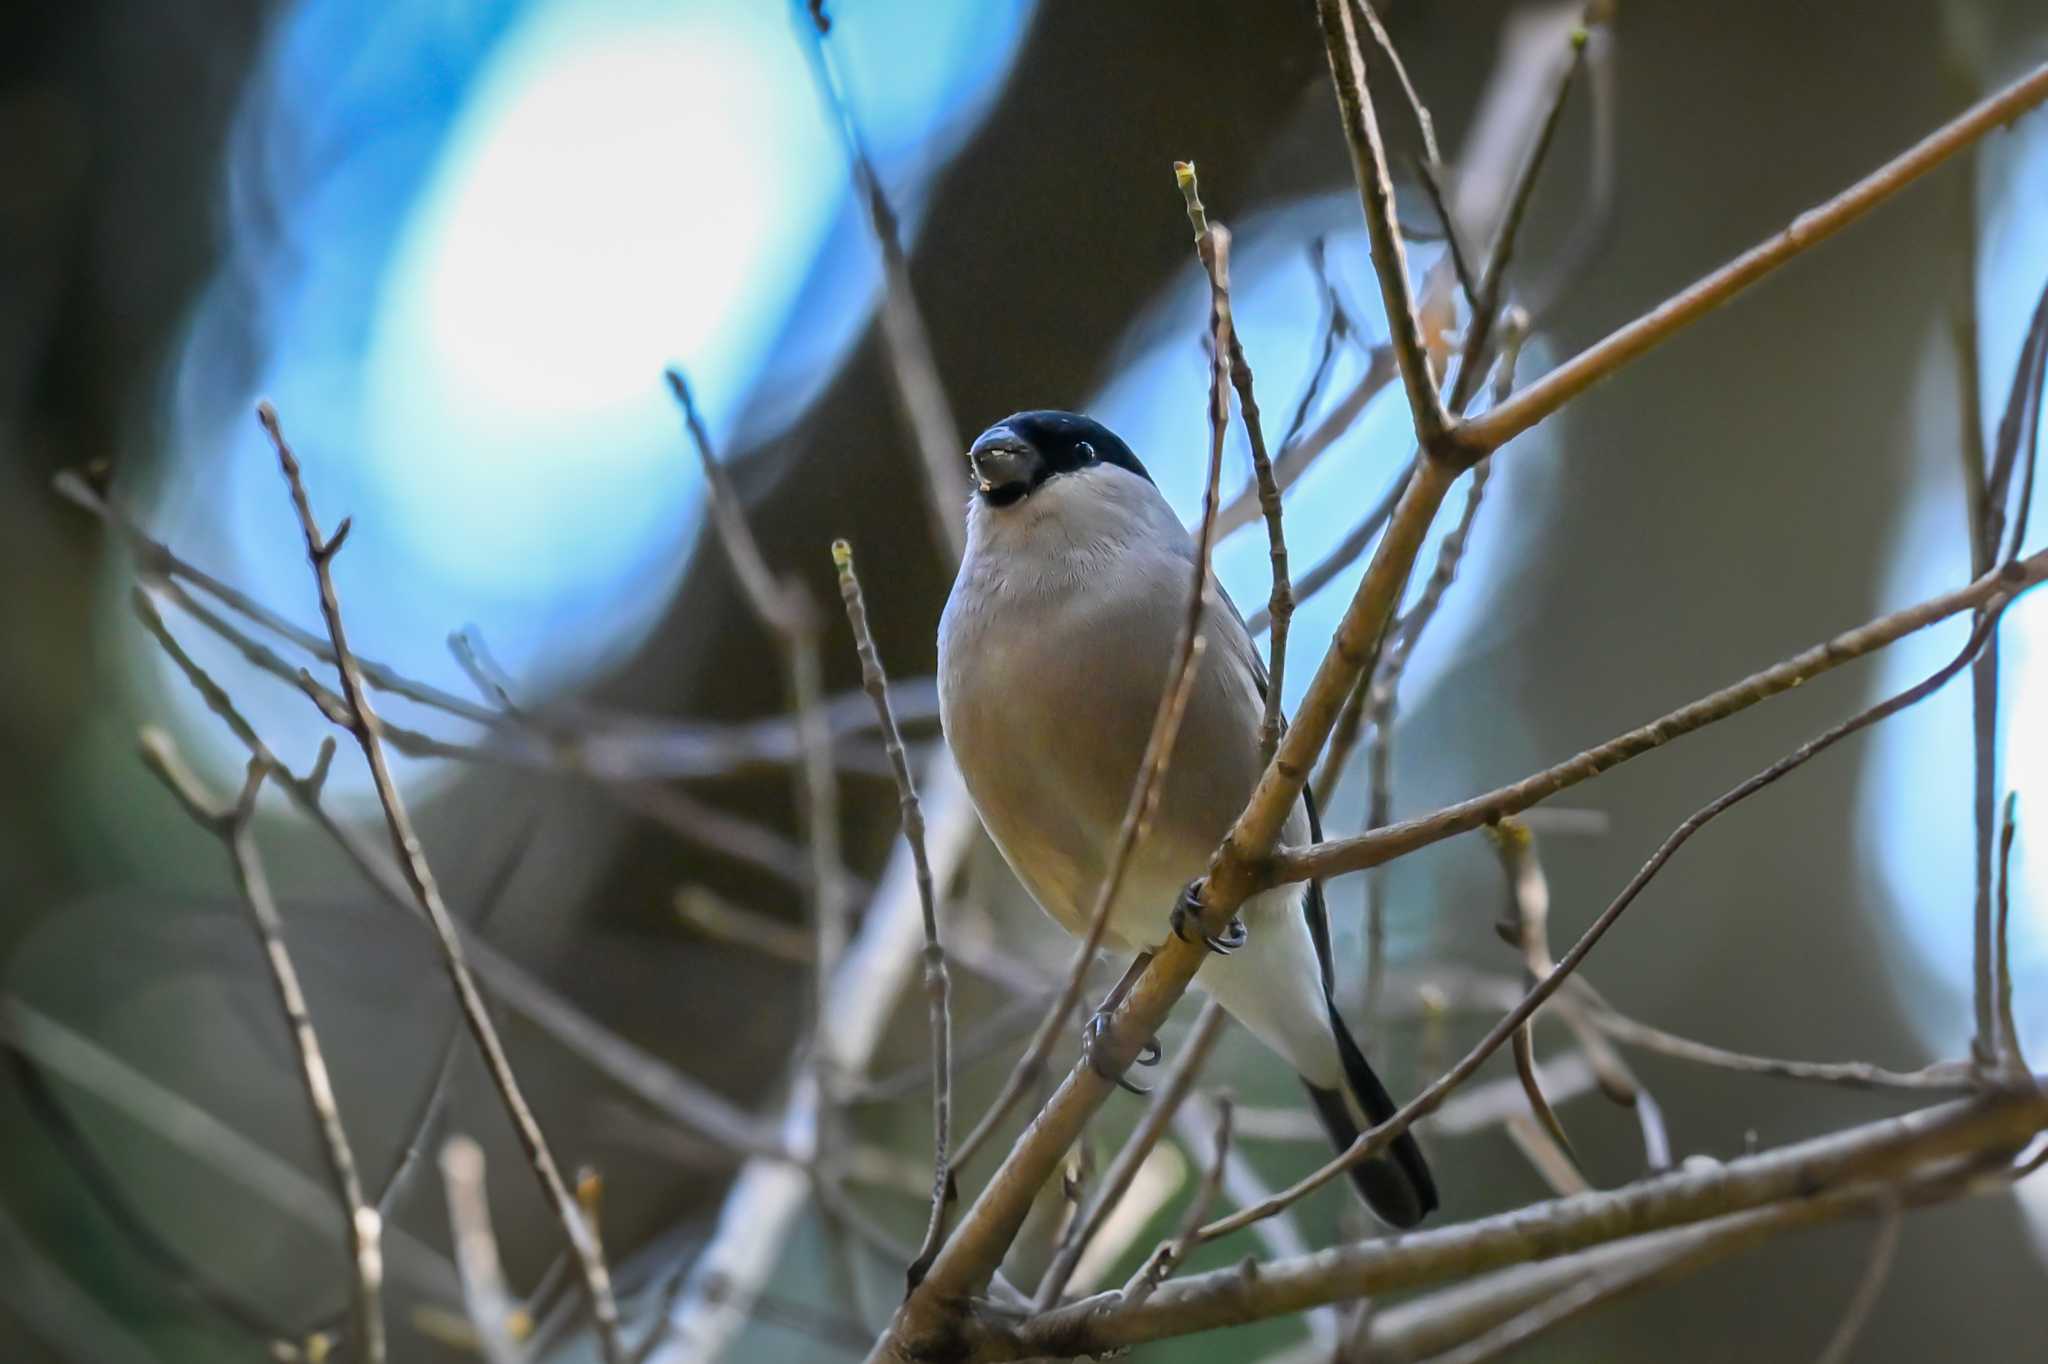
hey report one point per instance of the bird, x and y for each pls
(1054, 647)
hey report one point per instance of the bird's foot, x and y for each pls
(1187, 916)
(1092, 1034)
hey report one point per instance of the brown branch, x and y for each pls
(364, 726)
(491, 1306)
(1499, 425)
(1817, 1180)
(1993, 1047)
(1371, 1143)
(1280, 604)
(912, 368)
(1868, 1289)
(1159, 1113)
(601, 746)
(231, 825)
(1397, 840)
(1526, 926)
(2013, 1065)
(1376, 197)
(1945, 1077)
(936, 983)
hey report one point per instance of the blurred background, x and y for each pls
(457, 242)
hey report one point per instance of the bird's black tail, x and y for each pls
(1397, 1185)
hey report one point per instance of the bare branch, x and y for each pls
(491, 1306)
(737, 1265)
(2012, 1064)
(1370, 849)
(1947, 1077)
(419, 877)
(1162, 1261)
(1813, 1181)
(913, 369)
(1376, 196)
(1539, 400)
(1868, 1290)
(1165, 1103)
(1280, 604)
(1151, 776)
(936, 983)
(1372, 1143)
(230, 824)
(1527, 927)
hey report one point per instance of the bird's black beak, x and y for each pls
(1004, 467)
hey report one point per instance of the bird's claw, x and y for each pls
(1092, 1033)
(1187, 914)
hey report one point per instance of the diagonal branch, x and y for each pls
(1373, 1142)
(1376, 196)
(1280, 604)
(913, 369)
(936, 983)
(1498, 426)
(1842, 1174)
(230, 824)
(1116, 1182)
(1398, 840)
(363, 725)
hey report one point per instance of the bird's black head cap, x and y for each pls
(1015, 457)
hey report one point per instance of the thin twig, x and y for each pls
(1337, 856)
(2012, 1062)
(786, 612)
(1280, 604)
(1993, 1047)
(231, 825)
(491, 1306)
(602, 746)
(936, 982)
(1945, 1077)
(1526, 925)
(913, 368)
(1539, 400)
(1162, 1261)
(1166, 1100)
(1376, 197)
(364, 726)
(1151, 775)
(1868, 1290)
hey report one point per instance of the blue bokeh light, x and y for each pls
(1916, 802)
(462, 241)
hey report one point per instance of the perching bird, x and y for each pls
(1053, 651)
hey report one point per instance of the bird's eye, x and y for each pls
(1087, 451)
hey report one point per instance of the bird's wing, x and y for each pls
(1239, 641)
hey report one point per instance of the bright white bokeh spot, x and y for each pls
(462, 249)
(617, 193)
